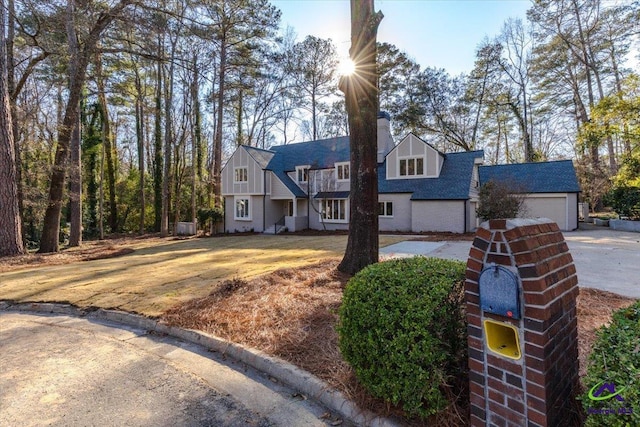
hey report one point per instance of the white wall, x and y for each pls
(401, 220)
(256, 223)
(440, 215)
(241, 158)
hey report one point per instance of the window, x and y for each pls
(302, 173)
(333, 210)
(385, 209)
(242, 211)
(412, 166)
(342, 170)
(240, 175)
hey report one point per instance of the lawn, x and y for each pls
(149, 276)
(279, 294)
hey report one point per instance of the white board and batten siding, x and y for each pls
(255, 175)
(413, 147)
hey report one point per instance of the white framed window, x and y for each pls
(385, 209)
(242, 211)
(240, 174)
(342, 171)
(302, 173)
(333, 210)
(412, 166)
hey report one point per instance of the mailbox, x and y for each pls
(499, 291)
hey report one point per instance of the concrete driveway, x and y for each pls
(605, 259)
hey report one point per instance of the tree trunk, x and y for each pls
(140, 145)
(157, 144)
(75, 187)
(361, 97)
(77, 75)
(217, 143)
(10, 224)
(168, 145)
(195, 141)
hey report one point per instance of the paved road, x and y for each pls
(605, 259)
(65, 371)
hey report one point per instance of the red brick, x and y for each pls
(499, 259)
(473, 277)
(472, 264)
(515, 405)
(498, 224)
(473, 315)
(481, 244)
(536, 404)
(476, 254)
(513, 234)
(537, 338)
(537, 391)
(534, 284)
(496, 396)
(471, 286)
(536, 298)
(477, 399)
(536, 377)
(524, 258)
(537, 417)
(476, 388)
(504, 364)
(476, 365)
(506, 413)
(474, 421)
(483, 233)
(476, 343)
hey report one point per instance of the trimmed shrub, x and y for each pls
(403, 330)
(615, 361)
(500, 199)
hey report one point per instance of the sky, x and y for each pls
(435, 33)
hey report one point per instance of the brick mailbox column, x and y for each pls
(520, 292)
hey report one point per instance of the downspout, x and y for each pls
(577, 212)
(464, 203)
(264, 200)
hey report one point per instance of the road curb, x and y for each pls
(282, 371)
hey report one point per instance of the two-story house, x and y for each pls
(306, 185)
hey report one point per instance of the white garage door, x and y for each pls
(552, 207)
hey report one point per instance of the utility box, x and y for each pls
(520, 293)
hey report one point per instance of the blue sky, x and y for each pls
(435, 33)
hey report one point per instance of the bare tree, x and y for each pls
(361, 95)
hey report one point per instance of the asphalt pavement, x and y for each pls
(66, 371)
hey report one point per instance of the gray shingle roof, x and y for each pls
(453, 184)
(544, 177)
(321, 154)
(262, 157)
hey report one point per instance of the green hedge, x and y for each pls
(402, 328)
(615, 359)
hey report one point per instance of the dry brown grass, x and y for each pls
(292, 313)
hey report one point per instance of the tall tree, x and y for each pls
(78, 61)
(10, 229)
(314, 70)
(234, 25)
(361, 97)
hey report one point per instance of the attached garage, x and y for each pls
(551, 189)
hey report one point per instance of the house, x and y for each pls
(551, 189)
(306, 185)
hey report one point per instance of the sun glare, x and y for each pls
(346, 67)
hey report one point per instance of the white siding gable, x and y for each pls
(413, 158)
(240, 162)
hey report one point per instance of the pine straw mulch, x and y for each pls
(292, 313)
